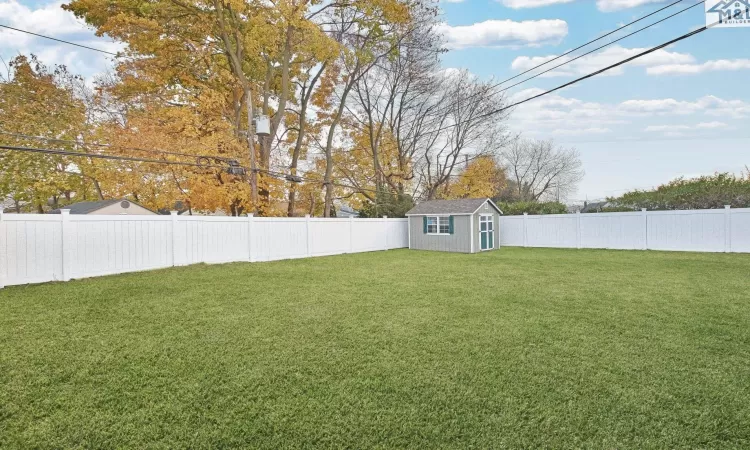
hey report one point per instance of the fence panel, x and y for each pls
(512, 231)
(398, 234)
(329, 236)
(36, 248)
(699, 231)
(622, 231)
(30, 248)
(557, 230)
(711, 230)
(105, 245)
(740, 230)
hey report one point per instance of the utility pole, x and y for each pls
(251, 148)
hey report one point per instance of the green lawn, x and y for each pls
(514, 348)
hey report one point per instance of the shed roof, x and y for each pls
(88, 207)
(460, 206)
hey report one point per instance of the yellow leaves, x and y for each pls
(39, 102)
(482, 178)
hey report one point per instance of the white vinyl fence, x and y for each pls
(36, 248)
(709, 230)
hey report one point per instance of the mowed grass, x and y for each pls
(513, 348)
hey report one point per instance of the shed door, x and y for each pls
(486, 232)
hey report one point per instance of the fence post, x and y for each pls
(309, 239)
(351, 234)
(174, 237)
(66, 236)
(579, 244)
(3, 250)
(644, 213)
(525, 233)
(727, 228)
(250, 236)
(385, 227)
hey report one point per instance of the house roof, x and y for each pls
(88, 207)
(594, 206)
(460, 206)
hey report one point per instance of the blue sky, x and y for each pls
(681, 111)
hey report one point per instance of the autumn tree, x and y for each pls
(367, 32)
(37, 101)
(482, 177)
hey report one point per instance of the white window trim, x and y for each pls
(438, 216)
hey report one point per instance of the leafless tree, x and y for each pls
(385, 96)
(469, 122)
(541, 170)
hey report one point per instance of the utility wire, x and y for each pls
(595, 40)
(592, 74)
(492, 87)
(47, 151)
(598, 48)
(59, 40)
(115, 147)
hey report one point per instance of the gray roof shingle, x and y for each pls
(460, 206)
(87, 207)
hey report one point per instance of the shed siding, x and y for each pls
(459, 241)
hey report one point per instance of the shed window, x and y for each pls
(438, 225)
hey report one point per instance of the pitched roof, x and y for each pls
(460, 206)
(594, 206)
(88, 207)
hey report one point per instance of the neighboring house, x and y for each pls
(346, 211)
(111, 207)
(7, 206)
(465, 226)
(594, 207)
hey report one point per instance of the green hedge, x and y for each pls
(533, 208)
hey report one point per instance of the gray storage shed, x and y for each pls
(468, 225)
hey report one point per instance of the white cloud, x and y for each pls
(42, 20)
(51, 20)
(719, 65)
(616, 5)
(599, 60)
(602, 5)
(709, 105)
(669, 128)
(520, 4)
(504, 33)
(681, 130)
(711, 125)
(581, 131)
(559, 115)
(667, 105)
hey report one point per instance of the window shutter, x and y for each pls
(424, 224)
(450, 224)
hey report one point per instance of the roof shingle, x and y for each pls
(460, 206)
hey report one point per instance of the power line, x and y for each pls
(490, 88)
(47, 151)
(598, 48)
(592, 74)
(595, 40)
(115, 147)
(59, 40)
